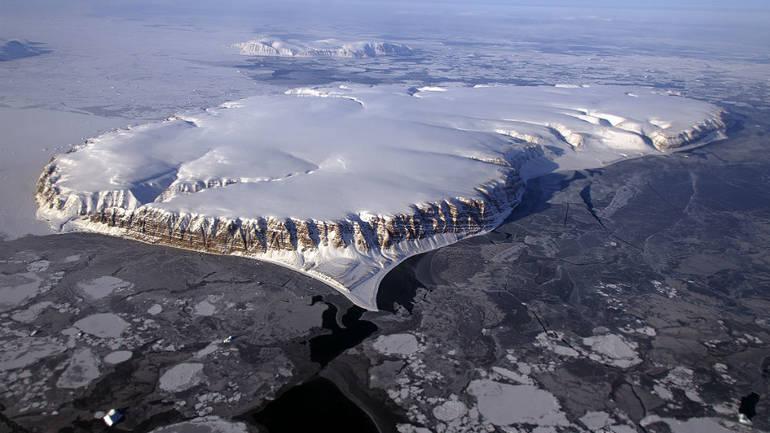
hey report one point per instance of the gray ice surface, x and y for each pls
(118, 356)
(23, 352)
(204, 308)
(397, 344)
(209, 424)
(502, 404)
(82, 369)
(103, 325)
(17, 288)
(181, 377)
(100, 287)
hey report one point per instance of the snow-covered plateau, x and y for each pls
(343, 183)
(270, 47)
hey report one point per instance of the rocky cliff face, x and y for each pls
(371, 235)
(376, 242)
(662, 140)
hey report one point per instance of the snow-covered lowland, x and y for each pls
(343, 183)
(272, 47)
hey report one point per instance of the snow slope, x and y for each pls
(344, 183)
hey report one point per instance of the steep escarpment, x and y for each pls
(366, 234)
(344, 183)
(351, 252)
(708, 127)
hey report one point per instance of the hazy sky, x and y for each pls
(707, 25)
(226, 6)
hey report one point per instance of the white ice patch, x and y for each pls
(71, 259)
(418, 93)
(81, 370)
(408, 428)
(22, 352)
(396, 344)
(102, 325)
(681, 378)
(450, 410)
(595, 421)
(349, 155)
(503, 405)
(553, 341)
(31, 313)
(15, 289)
(181, 377)
(612, 349)
(692, 425)
(118, 356)
(38, 266)
(155, 309)
(520, 378)
(642, 330)
(100, 287)
(208, 424)
(208, 350)
(204, 308)
(602, 422)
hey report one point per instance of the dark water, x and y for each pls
(399, 286)
(324, 348)
(317, 406)
(749, 405)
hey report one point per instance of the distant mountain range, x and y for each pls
(12, 50)
(269, 47)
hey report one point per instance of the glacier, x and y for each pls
(273, 47)
(344, 182)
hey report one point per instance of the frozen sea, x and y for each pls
(631, 299)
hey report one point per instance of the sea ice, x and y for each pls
(691, 425)
(181, 377)
(15, 289)
(208, 424)
(118, 356)
(81, 370)
(100, 287)
(22, 352)
(204, 308)
(31, 313)
(502, 404)
(595, 421)
(155, 309)
(613, 349)
(396, 344)
(450, 410)
(103, 325)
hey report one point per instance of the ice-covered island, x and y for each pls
(272, 47)
(343, 183)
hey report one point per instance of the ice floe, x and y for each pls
(181, 377)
